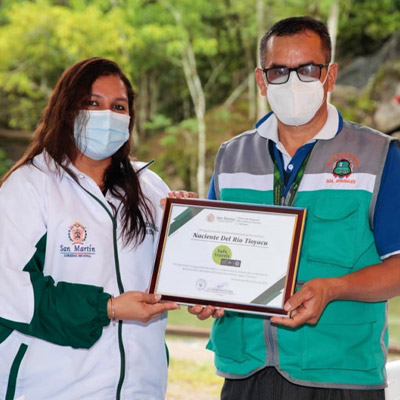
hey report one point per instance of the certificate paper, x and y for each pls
(236, 256)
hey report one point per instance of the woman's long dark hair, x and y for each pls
(55, 134)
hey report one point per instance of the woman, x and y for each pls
(78, 224)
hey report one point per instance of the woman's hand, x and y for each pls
(138, 306)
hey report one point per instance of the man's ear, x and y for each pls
(260, 81)
(332, 75)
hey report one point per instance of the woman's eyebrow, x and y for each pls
(116, 99)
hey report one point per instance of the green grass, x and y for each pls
(194, 377)
(394, 321)
(192, 380)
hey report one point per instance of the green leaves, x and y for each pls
(5, 162)
(38, 43)
(157, 42)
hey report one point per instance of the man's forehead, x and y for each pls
(304, 36)
(298, 48)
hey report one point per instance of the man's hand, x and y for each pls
(203, 313)
(308, 303)
(138, 306)
(181, 194)
(376, 282)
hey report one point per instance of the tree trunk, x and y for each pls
(261, 100)
(154, 89)
(199, 101)
(239, 89)
(332, 27)
(142, 104)
(251, 82)
(201, 168)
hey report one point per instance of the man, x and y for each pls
(304, 154)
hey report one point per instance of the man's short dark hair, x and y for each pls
(293, 25)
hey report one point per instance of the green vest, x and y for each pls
(347, 348)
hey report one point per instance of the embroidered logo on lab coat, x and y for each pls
(77, 235)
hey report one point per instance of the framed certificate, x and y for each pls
(240, 257)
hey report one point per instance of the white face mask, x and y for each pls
(102, 135)
(295, 102)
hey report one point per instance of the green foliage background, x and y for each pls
(39, 39)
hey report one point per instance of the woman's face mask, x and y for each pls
(295, 102)
(102, 135)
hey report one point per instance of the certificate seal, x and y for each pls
(221, 253)
(201, 284)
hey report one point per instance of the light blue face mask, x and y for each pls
(99, 134)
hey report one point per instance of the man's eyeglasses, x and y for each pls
(306, 73)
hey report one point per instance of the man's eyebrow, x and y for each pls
(285, 66)
(278, 66)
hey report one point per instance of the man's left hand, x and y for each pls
(307, 305)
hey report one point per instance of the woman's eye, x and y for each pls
(93, 103)
(119, 107)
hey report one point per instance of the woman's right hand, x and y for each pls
(138, 306)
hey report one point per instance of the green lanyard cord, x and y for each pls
(278, 183)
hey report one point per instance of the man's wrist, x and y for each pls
(337, 288)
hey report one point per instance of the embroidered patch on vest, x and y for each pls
(342, 166)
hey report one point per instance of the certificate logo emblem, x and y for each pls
(221, 253)
(210, 218)
(201, 284)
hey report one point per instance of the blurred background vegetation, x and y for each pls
(192, 66)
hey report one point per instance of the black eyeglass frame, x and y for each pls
(320, 66)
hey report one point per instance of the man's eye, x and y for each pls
(307, 70)
(280, 71)
(276, 73)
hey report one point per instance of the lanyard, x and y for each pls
(278, 184)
